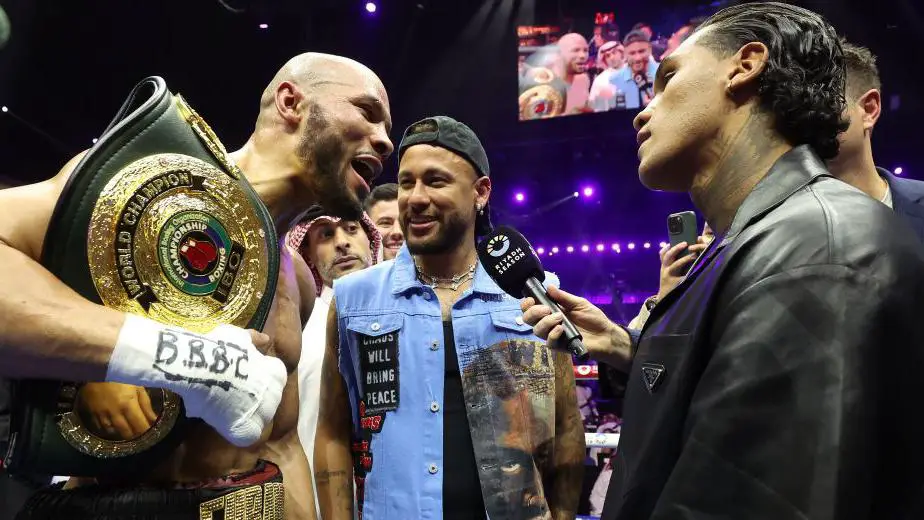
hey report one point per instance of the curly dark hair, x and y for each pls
(803, 84)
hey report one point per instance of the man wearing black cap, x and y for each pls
(450, 405)
(637, 80)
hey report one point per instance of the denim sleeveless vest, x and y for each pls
(391, 351)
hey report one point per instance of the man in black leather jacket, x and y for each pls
(781, 379)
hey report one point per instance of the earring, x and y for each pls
(728, 90)
(478, 209)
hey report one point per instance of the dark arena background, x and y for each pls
(568, 183)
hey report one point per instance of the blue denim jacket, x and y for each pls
(508, 381)
(623, 80)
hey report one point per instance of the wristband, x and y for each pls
(221, 376)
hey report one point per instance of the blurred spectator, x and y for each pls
(673, 270)
(658, 45)
(645, 28)
(603, 93)
(608, 424)
(681, 34)
(586, 404)
(611, 424)
(574, 53)
(598, 493)
(596, 43)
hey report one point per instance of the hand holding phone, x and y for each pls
(681, 227)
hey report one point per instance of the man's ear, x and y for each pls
(871, 104)
(482, 191)
(747, 65)
(289, 102)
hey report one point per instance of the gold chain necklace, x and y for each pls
(452, 283)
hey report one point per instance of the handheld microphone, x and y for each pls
(513, 264)
(641, 80)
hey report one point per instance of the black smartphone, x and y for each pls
(682, 228)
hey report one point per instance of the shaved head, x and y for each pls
(313, 72)
(571, 39)
(574, 52)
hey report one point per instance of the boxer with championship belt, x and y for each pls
(136, 273)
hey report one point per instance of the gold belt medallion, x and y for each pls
(176, 239)
(540, 102)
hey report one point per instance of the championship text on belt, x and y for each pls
(155, 220)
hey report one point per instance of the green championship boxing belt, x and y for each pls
(155, 220)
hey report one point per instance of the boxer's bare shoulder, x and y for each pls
(26, 210)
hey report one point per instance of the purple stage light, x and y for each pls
(555, 249)
(264, 26)
(569, 249)
(647, 245)
(899, 170)
(588, 191)
(585, 248)
(631, 245)
(600, 248)
(540, 251)
(662, 245)
(615, 246)
(519, 197)
(371, 7)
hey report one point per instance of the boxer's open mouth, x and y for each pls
(368, 167)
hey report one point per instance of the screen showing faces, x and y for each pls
(597, 61)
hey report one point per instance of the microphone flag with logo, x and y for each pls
(513, 264)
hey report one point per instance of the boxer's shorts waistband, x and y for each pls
(255, 495)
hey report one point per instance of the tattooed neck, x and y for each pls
(743, 154)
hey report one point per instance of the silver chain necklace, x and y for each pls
(452, 283)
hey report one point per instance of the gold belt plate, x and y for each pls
(541, 101)
(176, 239)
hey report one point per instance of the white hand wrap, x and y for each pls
(220, 375)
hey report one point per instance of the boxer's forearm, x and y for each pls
(48, 331)
(289, 455)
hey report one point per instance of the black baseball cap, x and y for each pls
(446, 132)
(636, 36)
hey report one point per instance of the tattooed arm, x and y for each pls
(333, 470)
(569, 452)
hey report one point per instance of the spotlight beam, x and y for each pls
(546, 208)
(52, 139)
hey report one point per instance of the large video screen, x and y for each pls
(598, 61)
